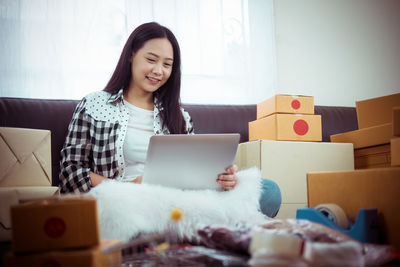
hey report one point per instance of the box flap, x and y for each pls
(26, 157)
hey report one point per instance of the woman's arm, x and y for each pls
(75, 154)
(96, 179)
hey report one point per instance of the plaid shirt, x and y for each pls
(95, 140)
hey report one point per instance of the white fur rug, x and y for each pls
(127, 209)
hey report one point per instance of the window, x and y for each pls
(67, 49)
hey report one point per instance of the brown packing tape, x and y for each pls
(335, 214)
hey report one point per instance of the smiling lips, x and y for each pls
(153, 80)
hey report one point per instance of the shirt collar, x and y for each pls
(116, 98)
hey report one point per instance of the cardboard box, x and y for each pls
(286, 104)
(395, 151)
(288, 211)
(353, 190)
(10, 196)
(290, 127)
(376, 111)
(396, 121)
(372, 157)
(366, 137)
(91, 257)
(287, 163)
(25, 157)
(55, 223)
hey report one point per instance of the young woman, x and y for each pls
(110, 130)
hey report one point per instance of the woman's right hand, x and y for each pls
(138, 180)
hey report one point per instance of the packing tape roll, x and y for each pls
(335, 214)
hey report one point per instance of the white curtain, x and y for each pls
(69, 48)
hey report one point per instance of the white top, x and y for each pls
(138, 133)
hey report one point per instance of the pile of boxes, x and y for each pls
(25, 170)
(274, 147)
(376, 182)
(377, 122)
(59, 231)
(45, 229)
(286, 117)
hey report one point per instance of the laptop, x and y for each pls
(189, 161)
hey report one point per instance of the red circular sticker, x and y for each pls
(300, 127)
(54, 227)
(296, 104)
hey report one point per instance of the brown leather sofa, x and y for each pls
(55, 115)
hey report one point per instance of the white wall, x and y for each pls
(338, 51)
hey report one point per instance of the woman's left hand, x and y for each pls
(228, 179)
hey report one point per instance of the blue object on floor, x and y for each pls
(365, 229)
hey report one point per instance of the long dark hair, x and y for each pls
(168, 95)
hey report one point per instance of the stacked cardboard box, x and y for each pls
(377, 122)
(287, 162)
(375, 184)
(361, 189)
(286, 117)
(395, 142)
(60, 231)
(25, 170)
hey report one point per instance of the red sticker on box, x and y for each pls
(54, 227)
(296, 104)
(300, 127)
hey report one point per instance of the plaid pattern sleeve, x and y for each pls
(90, 145)
(75, 163)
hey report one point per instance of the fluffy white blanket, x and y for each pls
(127, 209)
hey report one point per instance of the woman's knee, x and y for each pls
(270, 198)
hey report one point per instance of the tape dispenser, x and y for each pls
(365, 229)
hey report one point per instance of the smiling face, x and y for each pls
(151, 66)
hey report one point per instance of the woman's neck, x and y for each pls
(144, 101)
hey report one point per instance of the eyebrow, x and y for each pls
(155, 55)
